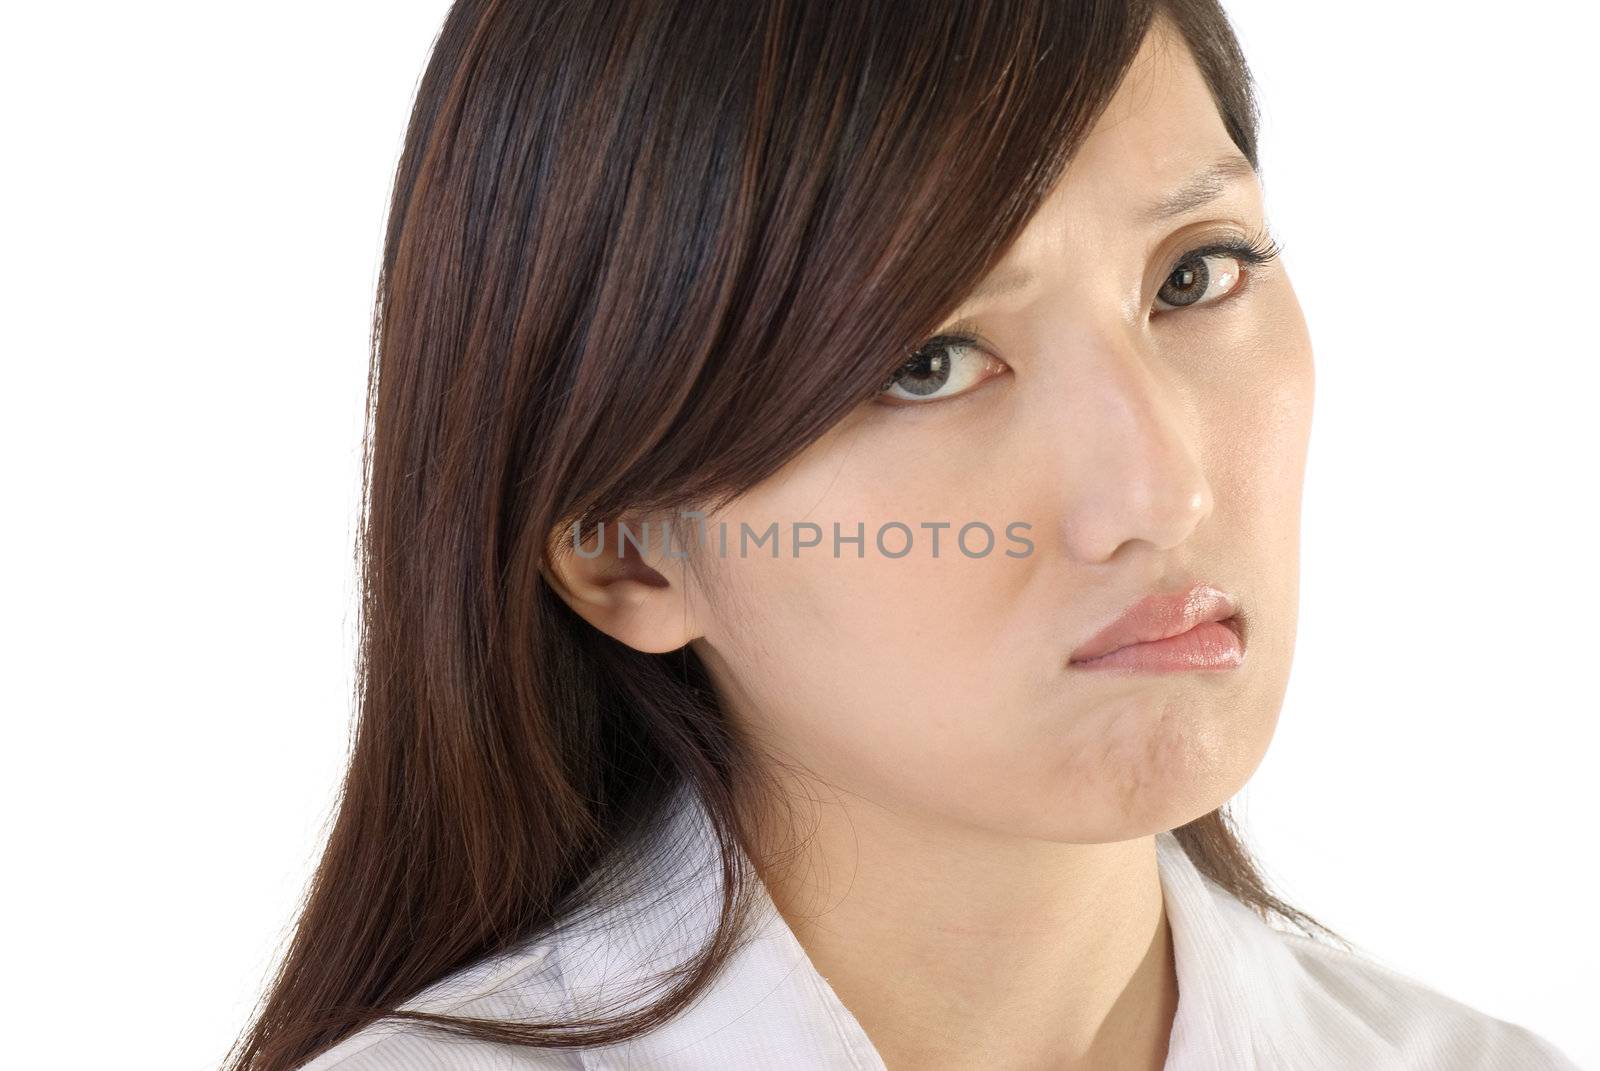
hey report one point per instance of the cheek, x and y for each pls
(1256, 395)
(1281, 386)
(887, 673)
(888, 655)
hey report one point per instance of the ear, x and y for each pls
(625, 580)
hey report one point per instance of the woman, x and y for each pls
(830, 558)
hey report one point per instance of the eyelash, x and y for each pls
(1253, 253)
(1249, 253)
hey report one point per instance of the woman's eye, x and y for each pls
(940, 368)
(1201, 279)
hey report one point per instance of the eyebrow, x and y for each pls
(1203, 187)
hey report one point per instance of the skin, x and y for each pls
(978, 879)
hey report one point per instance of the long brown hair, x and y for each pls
(639, 254)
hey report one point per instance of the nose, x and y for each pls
(1132, 457)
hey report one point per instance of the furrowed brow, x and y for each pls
(1205, 186)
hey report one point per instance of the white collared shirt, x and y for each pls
(1251, 997)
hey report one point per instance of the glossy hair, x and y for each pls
(640, 253)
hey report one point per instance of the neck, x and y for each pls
(959, 948)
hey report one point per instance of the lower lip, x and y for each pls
(1214, 645)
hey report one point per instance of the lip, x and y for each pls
(1197, 628)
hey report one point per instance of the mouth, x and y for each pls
(1198, 628)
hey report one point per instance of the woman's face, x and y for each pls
(1147, 443)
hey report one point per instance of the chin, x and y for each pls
(1165, 768)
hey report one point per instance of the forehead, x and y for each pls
(1159, 129)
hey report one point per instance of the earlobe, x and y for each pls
(621, 579)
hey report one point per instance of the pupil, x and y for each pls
(926, 372)
(1186, 284)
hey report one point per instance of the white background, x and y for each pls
(194, 199)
